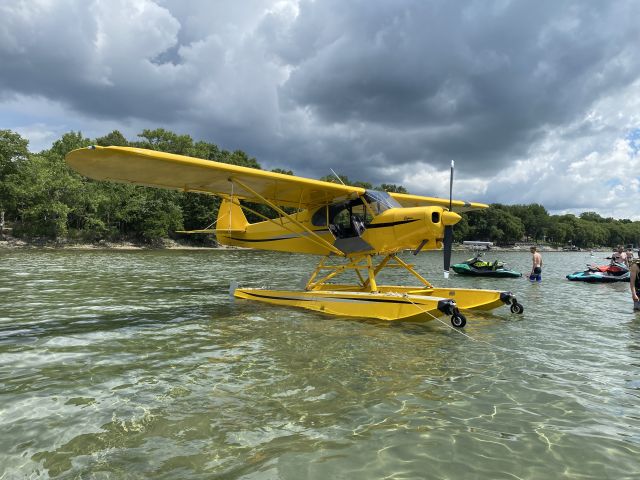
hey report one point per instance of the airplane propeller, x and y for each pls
(448, 229)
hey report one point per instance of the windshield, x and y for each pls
(380, 201)
(343, 211)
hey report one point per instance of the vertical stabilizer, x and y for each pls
(231, 218)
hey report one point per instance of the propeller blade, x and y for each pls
(448, 243)
(448, 229)
(451, 186)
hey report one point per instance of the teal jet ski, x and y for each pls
(615, 272)
(479, 268)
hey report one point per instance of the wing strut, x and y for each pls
(281, 212)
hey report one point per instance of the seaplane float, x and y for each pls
(355, 230)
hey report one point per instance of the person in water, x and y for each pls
(536, 268)
(620, 256)
(635, 284)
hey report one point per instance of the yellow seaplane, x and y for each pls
(355, 230)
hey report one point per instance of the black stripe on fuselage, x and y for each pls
(274, 239)
(260, 240)
(390, 224)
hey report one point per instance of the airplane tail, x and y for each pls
(231, 218)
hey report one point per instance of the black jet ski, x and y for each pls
(479, 268)
(615, 272)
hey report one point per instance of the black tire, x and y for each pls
(517, 308)
(458, 320)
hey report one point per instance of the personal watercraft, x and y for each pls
(615, 272)
(477, 267)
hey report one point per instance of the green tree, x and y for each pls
(69, 141)
(591, 217)
(44, 189)
(13, 152)
(158, 215)
(462, 230)
(534, 217)
(115, 139)
(240, 158)
(341, 179)
(165, 141)
(198, 211)
(282, 171)
(44, 198)
(346, 181)
(495, 224)
(558, 232)
(207, 151)
(392, 188)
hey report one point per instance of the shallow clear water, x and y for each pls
(137, 364)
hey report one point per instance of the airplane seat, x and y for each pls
(357, 225)
(335, 230)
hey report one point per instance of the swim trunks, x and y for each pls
(536, 276)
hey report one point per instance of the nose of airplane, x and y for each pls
(450, 218)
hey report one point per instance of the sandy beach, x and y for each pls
(9, 242)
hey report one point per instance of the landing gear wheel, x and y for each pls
(458, 320)
(517, 308)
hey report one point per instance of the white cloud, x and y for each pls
(588, 165)
(40, 135)
(43, 121)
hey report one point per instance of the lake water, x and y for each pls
(136, 364)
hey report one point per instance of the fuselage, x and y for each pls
(372, 224)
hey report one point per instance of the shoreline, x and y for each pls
(13, 243)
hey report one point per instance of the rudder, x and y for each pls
(231, 218)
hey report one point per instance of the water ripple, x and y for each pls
(136, 364)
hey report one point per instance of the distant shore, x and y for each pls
(9, 242)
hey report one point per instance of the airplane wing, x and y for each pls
(178, 172)
(407, 200)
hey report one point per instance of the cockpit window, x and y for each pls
(342, 212)
(319, 218)
(338, 213)
(380, 201)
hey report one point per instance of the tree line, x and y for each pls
(43, 198)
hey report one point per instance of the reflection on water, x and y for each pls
(137, 364)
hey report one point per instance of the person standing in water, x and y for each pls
(635, 284)
(536, 268)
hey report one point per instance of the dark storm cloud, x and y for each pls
(489, 74)
(361, 86)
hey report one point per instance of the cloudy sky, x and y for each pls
(536, 101)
